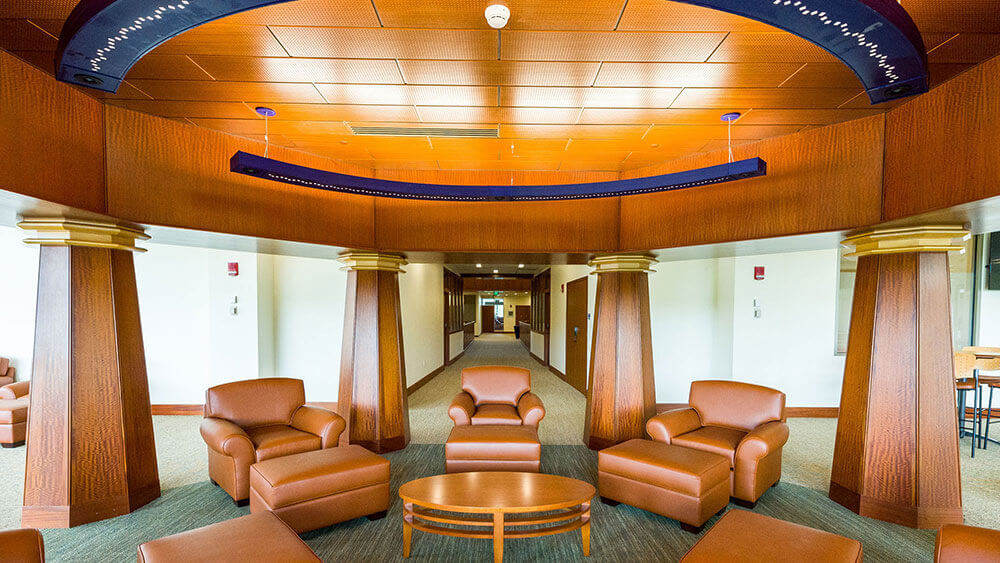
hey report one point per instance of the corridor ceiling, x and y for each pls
(571, 85)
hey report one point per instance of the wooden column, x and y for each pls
(372, 366)
(621, 393)
(90, 451)
(896, 454)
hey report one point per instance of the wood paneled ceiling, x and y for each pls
(574, 85)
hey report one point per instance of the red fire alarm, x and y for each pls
(758, 272)
(234, 268)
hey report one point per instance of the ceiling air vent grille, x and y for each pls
(492, 133)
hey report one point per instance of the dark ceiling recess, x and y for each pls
(877, 39)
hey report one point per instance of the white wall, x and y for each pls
(18, 289)
(538, 344)
(510, 303)
(192, 341)
(421, 294)
(689, 328)
(309, 298)
(791, 345)
(557, 319)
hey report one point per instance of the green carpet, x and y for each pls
(619, 533)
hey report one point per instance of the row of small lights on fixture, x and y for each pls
(495, 271)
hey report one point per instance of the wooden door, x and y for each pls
(546, 302)
(522, 313)
(576, 334)
(488, 318)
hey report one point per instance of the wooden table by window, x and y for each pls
(487, 502)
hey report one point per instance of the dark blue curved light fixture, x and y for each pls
(102, 39)
(276, 170)
(877, 39)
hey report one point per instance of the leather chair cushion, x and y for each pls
(966, 544)
(743, 537)
(496, 384)
(23, 546)
(733, 404)
(256, 537)
(280, 440)
(13, 410)
(714, 439)
(686, 471)
(297, 478)
(256, 402)
(507, 443)
(496, 414)
(4, 364)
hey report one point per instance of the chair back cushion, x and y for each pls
(732, 404)
(496, 384)
(15, 390)
(4, 364)
(256, 402)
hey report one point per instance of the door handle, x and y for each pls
(576, 331)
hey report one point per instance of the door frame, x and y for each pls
(586, 326)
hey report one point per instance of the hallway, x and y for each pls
(564, 406)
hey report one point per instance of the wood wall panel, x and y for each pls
(51, 138)
(807, 173)
(173, 174)
(924, 136)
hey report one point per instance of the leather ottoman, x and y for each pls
(492, 448)
(744, 537)
(13, 422)
(680, 483)
(315, 489)
(258, 537)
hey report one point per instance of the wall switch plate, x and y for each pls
(756, 312)
(233, 310)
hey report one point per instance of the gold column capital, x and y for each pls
(622, 263)
(926, 238)
(384, 261)
(60, 231)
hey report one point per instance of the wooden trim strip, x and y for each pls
(537, 359)
(177, 409)
(423, 380)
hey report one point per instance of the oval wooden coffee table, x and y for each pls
(496, 500)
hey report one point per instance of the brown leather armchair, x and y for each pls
(14, 414)
(250, 421)
(966, 544)
(744, 422)
(496, 395)
(7, 372)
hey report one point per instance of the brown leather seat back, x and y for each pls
(732, 404)
(4, 364)
(256, 402)
(496, 384)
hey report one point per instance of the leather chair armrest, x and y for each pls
(227, 439)
(319, 421)
(462, 408)
(666, 426)
(24, 545)
(14, 390)
(764, 439)
(530, 409)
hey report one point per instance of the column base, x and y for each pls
(924, 518)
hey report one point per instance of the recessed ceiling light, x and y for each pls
(496, 271)
(479, 265)
(520, 265)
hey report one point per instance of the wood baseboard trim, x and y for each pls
(790, 412)
(456, 358)
(558, 373)
(177, 409)
(537, 359)
(423, 380)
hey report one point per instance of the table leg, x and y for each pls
(407, 528)
(407, 535)
(498, 537)
(585, 530)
